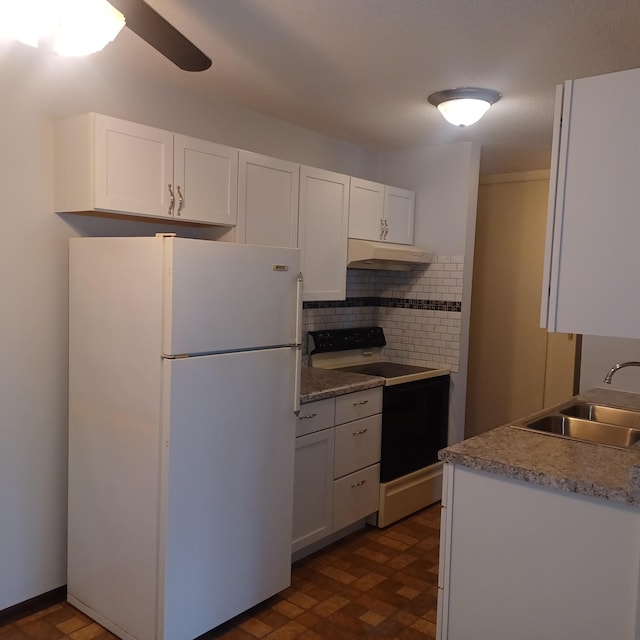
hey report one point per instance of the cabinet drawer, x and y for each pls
(357, 444)
(315, 416)
(356, 496)
(358, 405)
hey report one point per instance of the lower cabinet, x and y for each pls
(526, 562)
(313, 488)
(337, 465)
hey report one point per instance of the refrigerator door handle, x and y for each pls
(297, 383)
(299, 284)
(298, 345)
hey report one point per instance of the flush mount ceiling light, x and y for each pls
(70, 27)
(465, 105)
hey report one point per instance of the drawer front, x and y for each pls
(358, 405)
(315, 416)
(357, 444)
(356, 496)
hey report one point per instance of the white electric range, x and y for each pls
(414, 416)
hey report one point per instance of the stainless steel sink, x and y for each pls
(603, 413)
(588, 430)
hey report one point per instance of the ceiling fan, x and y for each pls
(147, 23)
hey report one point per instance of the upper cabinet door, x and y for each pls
(267, 200)
(323, 228)
(133, 167)
(380, 212)
(399, 205)
(205, 181)
(366, 210)
(594, 224)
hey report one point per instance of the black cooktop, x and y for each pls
(384, 369)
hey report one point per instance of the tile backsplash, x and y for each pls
(419, 310)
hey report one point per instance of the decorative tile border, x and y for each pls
(398, 303)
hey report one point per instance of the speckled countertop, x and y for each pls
(317, 384)
(566, 465)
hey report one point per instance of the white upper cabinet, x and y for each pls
(366, 210)
(114, 166)
(380, 212)
(399, 206)
(322, 232)
(206, 181)
(593, 224)
(267, 201)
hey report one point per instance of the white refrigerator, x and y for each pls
(184, 378)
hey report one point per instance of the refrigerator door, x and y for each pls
(228, 480)
(223, 296)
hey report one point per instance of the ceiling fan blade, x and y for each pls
(147, 23)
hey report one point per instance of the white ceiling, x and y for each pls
(361, 70)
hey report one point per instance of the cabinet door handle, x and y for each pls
(357, 404)
(381, 229)
(386, 229)
(180, 200)
(172, 200)
(307, 417)
(358, 484)
(359, 433)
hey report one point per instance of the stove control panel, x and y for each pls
(329, 340)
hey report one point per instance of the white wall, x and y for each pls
(33, 268)
(445, 179)
(599, 354)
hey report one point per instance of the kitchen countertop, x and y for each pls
(559, 463)
(317, 384)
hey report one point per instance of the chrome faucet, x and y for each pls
(620, 365)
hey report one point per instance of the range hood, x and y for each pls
(365, 254)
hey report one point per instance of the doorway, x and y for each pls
(515, 367)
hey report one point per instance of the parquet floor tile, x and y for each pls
(376, 584)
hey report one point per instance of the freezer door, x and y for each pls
(223, 296)
(228, 485)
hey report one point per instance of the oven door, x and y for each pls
(415, 418)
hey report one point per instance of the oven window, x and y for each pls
(415, 419)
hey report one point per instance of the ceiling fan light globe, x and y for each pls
(25, 21)
(463, 112)
(85, 26)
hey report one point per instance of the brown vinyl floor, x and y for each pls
(375, 583)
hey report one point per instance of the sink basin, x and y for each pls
(587, 429)
(603, 413)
